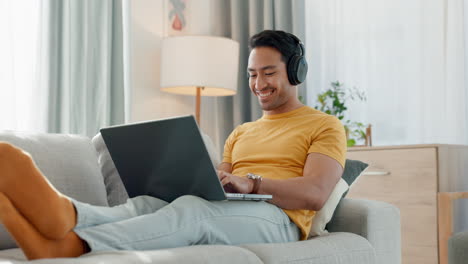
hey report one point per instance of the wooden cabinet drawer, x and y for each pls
(406, 178)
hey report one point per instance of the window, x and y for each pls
(19, 25)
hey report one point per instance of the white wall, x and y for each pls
(147, 29)
(146, 32)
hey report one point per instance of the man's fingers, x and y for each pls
(221, 174)
(225, 180)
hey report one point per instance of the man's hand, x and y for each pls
(233, 183)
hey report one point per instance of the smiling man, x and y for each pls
(293, 152)
(298, 152)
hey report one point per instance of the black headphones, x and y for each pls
(297, 64)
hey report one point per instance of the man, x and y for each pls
(293, 152)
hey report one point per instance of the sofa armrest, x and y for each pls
(378, 222)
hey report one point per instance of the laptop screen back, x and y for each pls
(164, 158)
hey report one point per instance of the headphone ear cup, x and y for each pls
(291, 69)
(301, 71)
(297, 70)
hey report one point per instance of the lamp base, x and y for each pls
(198, 104)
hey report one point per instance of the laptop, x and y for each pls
(166, 159)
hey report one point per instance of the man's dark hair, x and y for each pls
(286, 43)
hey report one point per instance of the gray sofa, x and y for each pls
(361, 231)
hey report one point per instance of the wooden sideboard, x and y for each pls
(413, 177)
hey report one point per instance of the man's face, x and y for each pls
(268, 79)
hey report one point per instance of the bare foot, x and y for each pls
(32, 242)
(33, 195)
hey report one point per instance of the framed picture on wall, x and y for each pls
(177, 19)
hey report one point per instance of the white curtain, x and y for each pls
(61, 65)
(19, 109)
(82, 65)
(408, 56)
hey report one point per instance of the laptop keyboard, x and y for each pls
(235, 194)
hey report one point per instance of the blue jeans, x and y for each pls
(147, 223)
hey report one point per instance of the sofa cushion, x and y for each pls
(325, 214)
(214, 254)
(116, 193)
(333, 248)
(352, 171)
(68, 161)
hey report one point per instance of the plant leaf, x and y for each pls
(351, 142)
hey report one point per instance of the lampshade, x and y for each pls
(210, 62)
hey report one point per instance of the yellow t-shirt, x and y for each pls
(276, 147)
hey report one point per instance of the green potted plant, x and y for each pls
(333, 102)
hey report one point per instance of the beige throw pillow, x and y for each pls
(324, 216)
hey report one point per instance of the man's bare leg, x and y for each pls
(47, 210)
(32, 242)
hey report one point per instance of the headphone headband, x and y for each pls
(298, 43)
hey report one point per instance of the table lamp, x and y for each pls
(199, 65)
